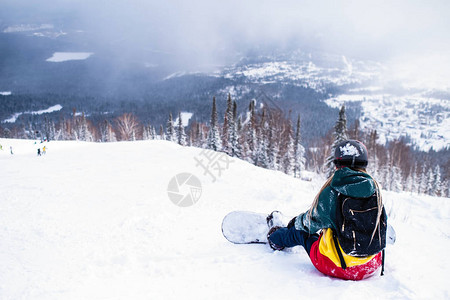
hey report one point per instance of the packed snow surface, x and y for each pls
(66, 56)
(94, 221)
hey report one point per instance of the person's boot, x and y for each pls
(275, 218)
(272, 245)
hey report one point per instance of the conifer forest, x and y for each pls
(263, 135)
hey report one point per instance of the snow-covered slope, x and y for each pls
(95, 221)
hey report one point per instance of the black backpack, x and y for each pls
(356, 219)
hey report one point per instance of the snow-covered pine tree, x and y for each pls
(446, 188)
(273, 150)
(153, 133)
(242, 139)
(299, 152)
(423, 183)
(339, 135)
(437, 184)
(84, 134)
(288, 159)
(179, 132)
(411, 181)
(214, 142)
(250, 135)
(236, 149)
(106, 132)
(355, 132)
(228, 125)
(239, 126)
(103, 129)
(170, 130)
(395, 179)
(30, 130)
(63, 131)
(282, 146)
(49, 129)
(384, 177)
(192, 135)
(58, 133)
(373, 166)
(162, 135)
(74, 128)
(199, 138)
(147, 132)
(52, 130)
(430, 182)
(260, 158)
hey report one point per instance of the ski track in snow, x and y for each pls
(94, 221)
(67, 56)
(51, 109)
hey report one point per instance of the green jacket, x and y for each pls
(345, 181)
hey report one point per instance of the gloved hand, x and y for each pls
(291, 223)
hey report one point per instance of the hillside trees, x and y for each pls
(264, 136)
(128, 127)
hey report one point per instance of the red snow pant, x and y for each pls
(325, 265)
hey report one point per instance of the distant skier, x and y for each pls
(44, 150)
(10, 149)
(360, 252)
(39, 151)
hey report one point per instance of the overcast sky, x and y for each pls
(206, 31)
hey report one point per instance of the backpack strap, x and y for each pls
(341, 258)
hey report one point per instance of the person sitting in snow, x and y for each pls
(351, 180)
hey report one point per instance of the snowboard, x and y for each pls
(246, 227)
(391, 236)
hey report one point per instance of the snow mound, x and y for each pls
(95, 221)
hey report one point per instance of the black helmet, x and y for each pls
(350, 153)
